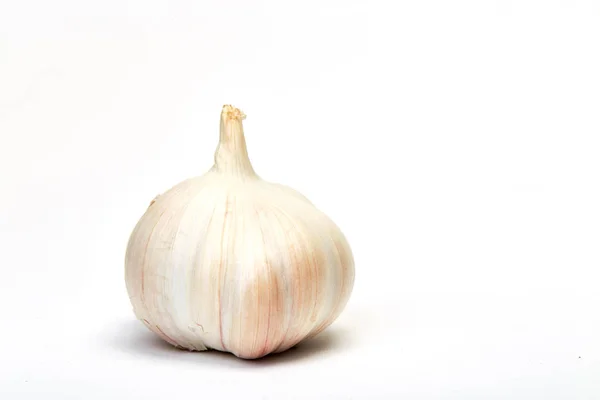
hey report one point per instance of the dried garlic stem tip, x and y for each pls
(230, 112)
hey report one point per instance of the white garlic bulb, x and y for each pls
(228, 261)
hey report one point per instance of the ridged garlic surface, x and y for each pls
(228, 261)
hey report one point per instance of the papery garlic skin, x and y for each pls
(228, 261)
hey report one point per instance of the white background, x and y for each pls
(465, 140)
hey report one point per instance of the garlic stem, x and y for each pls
(231, 155)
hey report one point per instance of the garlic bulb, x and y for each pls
(228, 261)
